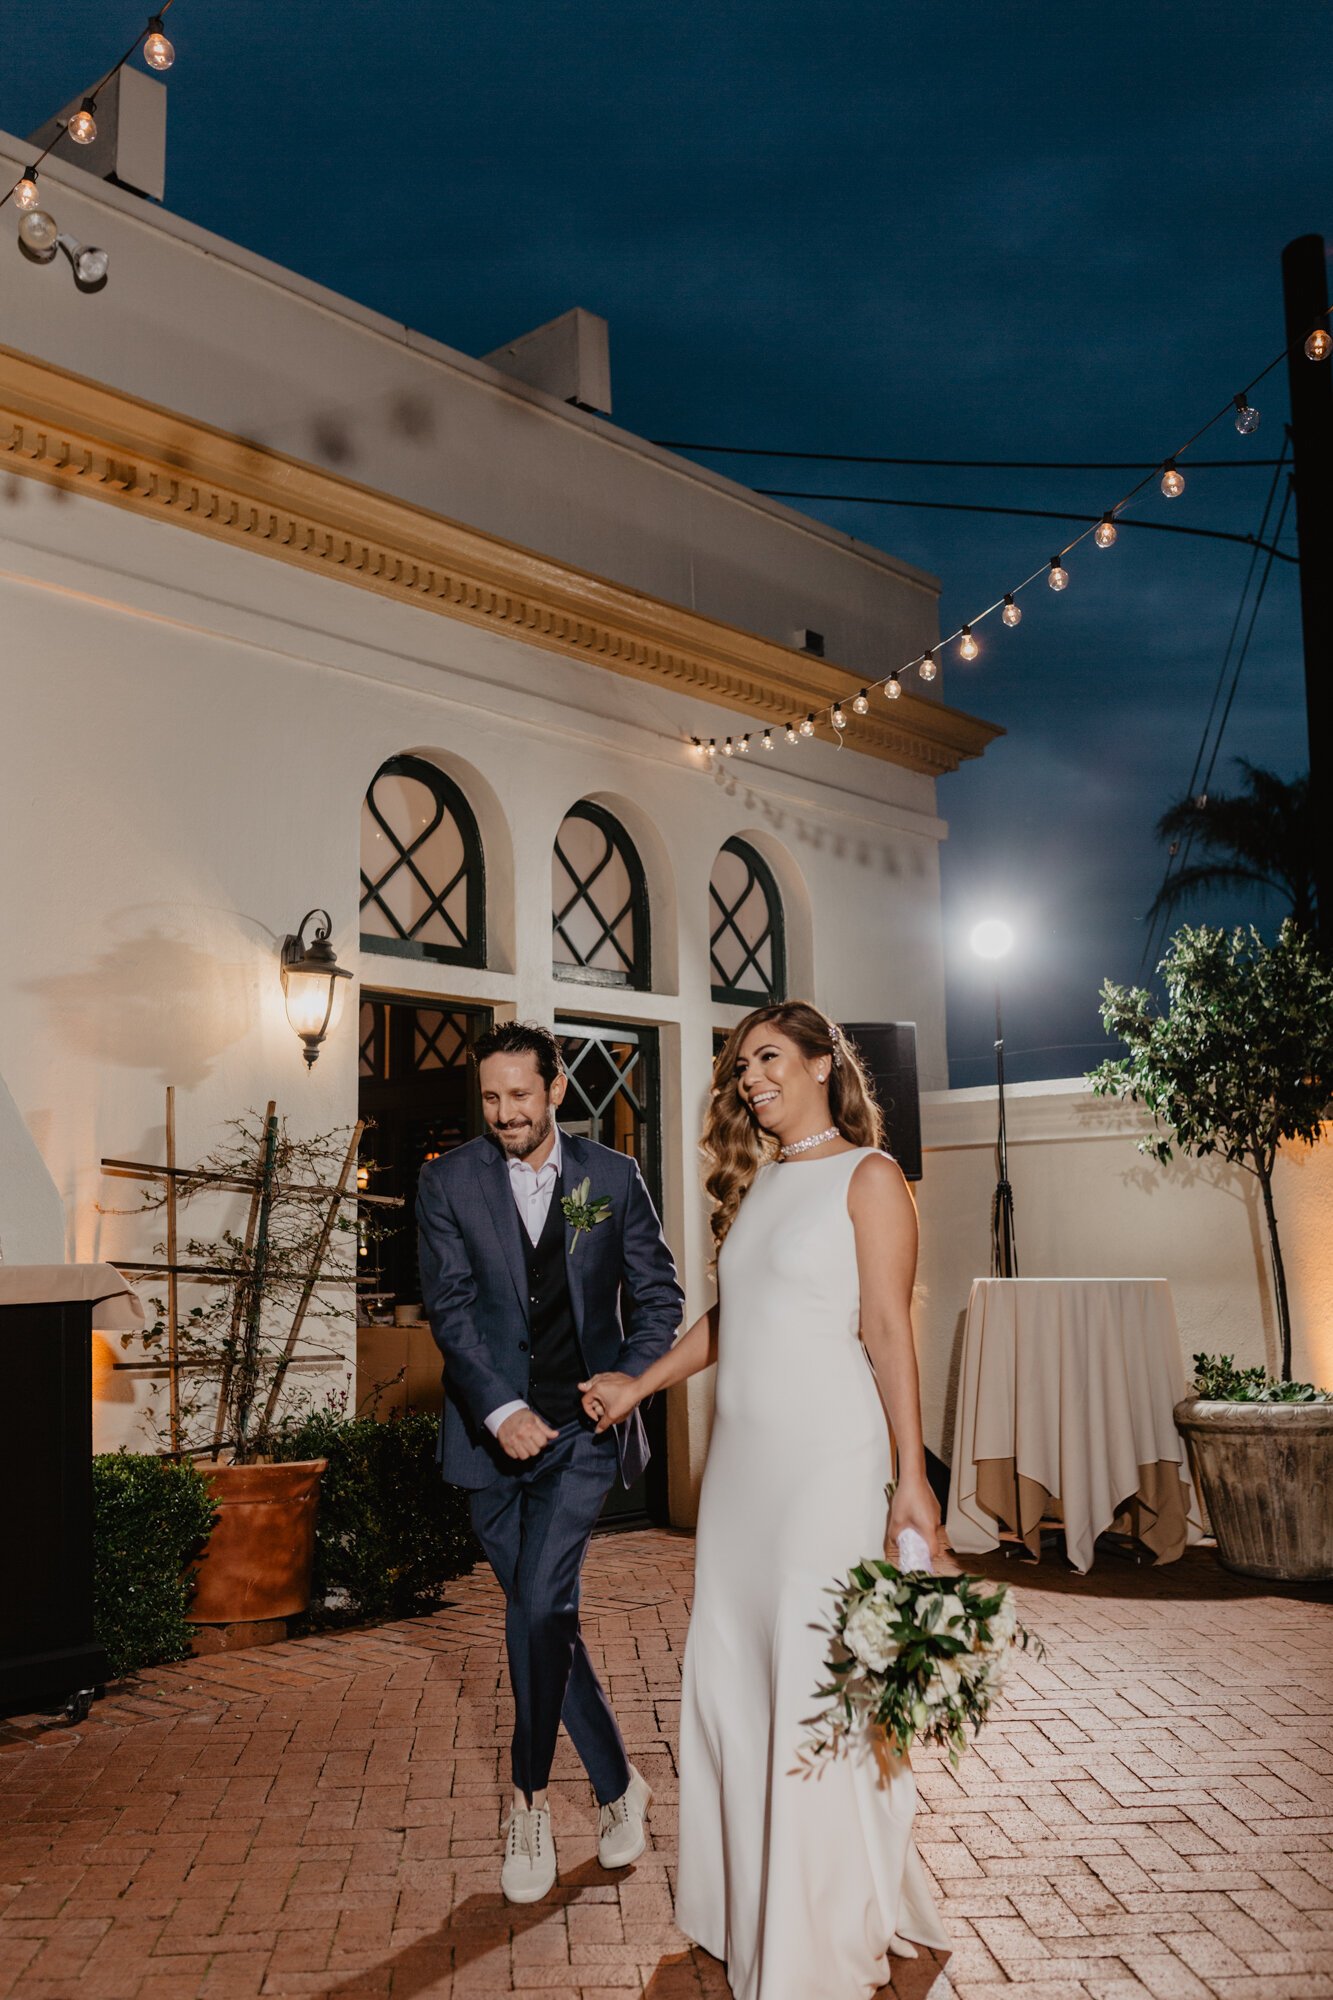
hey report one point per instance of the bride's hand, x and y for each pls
(608, 1399)
(915, 1506)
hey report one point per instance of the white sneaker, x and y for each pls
(620, 1835)
(528, 1871)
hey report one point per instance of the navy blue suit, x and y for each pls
(533, 1517)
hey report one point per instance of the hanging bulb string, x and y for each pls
(1112, 513)
(93, 94)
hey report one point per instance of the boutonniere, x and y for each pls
(583, 1215)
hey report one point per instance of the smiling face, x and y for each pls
(516, 1103)
(785, 1091)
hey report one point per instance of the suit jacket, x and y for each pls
(474, 1287)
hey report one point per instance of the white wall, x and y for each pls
(189, 731)
(1088, 1204)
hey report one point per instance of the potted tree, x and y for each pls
(231, 1394)
(1238, 1063)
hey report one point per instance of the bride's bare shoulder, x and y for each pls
(877, 1183)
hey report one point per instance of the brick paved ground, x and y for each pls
(1151, 1815)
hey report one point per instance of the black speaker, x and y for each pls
(888, 1053)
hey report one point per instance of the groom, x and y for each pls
(531, 1284)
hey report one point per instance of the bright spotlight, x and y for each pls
(992, 938)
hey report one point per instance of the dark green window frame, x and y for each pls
(450, 802)
(774, 933)
(637, 969)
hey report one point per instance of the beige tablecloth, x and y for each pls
(115, 1307)
(1065, 1396)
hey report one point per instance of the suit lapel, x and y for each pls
(573, 1158)
(502, 1213)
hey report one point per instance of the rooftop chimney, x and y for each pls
(569, 358)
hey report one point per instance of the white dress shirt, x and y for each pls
(533, 1190)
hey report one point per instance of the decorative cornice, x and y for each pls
(87, 438)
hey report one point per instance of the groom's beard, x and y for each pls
(519, 1138)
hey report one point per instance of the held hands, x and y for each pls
(608, 1399)
(524, 1435)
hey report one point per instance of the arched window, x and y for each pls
(422, 872)
(599, 901)
(746, 942)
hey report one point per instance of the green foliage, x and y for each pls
(151, 1518)
(1242, 1059)
(1263, 835)
(389, 1531)
(1217, 1379)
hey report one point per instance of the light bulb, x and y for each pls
(157, 50)
(893, 687)
(728, 748)
(1012, 613)
(1247, 418)
(839, 718)
(967, 645)
(1104, 533)
(744, 746)
(768, 739)
(1319, 344)
(1173, 482)
(808, 726)
(25, 194)
(790, 733)
(927, 667)
(82, 127)
(38, 230)
(90, 265)
(861, 703)
(1059, 575)
(712, 746)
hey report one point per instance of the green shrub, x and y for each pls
(151, 1518)
(1217, 1379)
(389, 1531)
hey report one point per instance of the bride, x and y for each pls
(801, 1883)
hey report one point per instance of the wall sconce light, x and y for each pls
(39, 239)
(311, 981)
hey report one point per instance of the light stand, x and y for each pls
(1004, 1251)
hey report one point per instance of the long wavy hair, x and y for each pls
(735, 1146)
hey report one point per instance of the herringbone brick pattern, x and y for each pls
(1151, 1815)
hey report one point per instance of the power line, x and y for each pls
(1029, 513)
(962, 464)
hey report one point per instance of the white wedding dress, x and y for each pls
(798, 1882)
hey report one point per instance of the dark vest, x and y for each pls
(556, 1363)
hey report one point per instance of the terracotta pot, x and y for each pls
(1265, 1474)
(258, 1559)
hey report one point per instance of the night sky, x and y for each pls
(964, 231)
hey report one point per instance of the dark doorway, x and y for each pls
(614, 1098)
(419, 1095)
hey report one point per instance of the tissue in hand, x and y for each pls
(913, 1552)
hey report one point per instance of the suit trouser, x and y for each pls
(534, 1524)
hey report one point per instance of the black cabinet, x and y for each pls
(47, 1650)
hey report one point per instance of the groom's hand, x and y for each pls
(524, 1435)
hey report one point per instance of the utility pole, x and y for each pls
(1305, 296)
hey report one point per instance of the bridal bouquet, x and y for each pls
(914, 1658)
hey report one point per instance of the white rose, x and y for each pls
(1004, 1625)
(952, 1611)
(868, 1640)
(944, 1686)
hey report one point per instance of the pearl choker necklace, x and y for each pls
(804, 1145)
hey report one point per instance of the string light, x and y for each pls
(839, 718)
(728, 748)
(1319, 344)
(808, 726)
(1104, 534)
(25, 191)
(1173, 482)
(967, 645)
(768, 739)
(1013, 613)
(861, 703)
(791, 732)
(82, 127)
(928, 667)
(1058, 575)
(743, 747)
(1247, 417)
(158, 52)
(893, 687)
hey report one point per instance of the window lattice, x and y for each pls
(422, 883)
(746, 943)
(599, 901)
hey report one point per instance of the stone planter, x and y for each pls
(1265, 1474)
(257, 1564)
